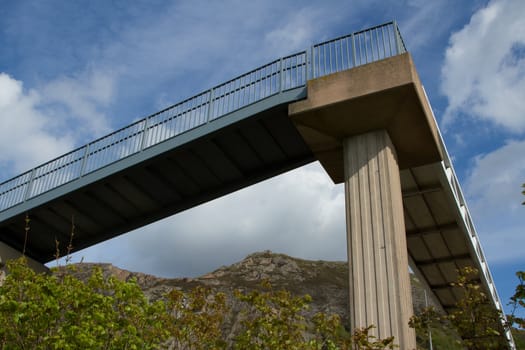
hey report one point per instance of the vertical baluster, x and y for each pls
(269, 79)
(336, 57)
(180, 118)
(397, 38)
(258, 79)
(247, 87)
(187, 115)
(295, 71)
(159, 127)
(273, 82)
(354, 55)
(103, 156)
(203, 108)
(287, 73)
(261, 85)
(143, 142)
(57, 173)
(324, 61)
(280, 75)
(30, 184)
(233, 86)
(315, 58)
(342, 54)
(223, 100)
(330, 56)
(377, 43)
(265, 81)
(197, 111)
(176, 120)
(365, 39)
(242, 91)
(194, 112)
(254, 86)
(298, 70)
(221, 107)
(4, 196)
(210, 106)
(184, 116)
(84, 161)
(229, 98)
(307, 64)
(383, 40)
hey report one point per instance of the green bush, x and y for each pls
(60, 311)
(41, 311)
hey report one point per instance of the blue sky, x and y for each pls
(72, 71)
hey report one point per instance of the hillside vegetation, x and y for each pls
(265, 301)
(325, 281)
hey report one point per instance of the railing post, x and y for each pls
(210, 106)
(397, 38)
(307, 64)
(281, 75)
(314, 74)
(30, 185)
(84, 161)
(144, 134)
(354, 54)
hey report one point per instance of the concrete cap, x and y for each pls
(386, 94)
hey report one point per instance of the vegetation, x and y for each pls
(59, 311)
(44, 311)
(517, 301)
(475, 322)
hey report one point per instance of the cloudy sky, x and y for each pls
(71, 71)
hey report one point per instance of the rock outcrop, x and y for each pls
(325, 281)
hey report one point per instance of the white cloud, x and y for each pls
(300, 213)
(39, 125)
(81, 99)
(424, 21)
(484, 71)
(494, 192)
(296, 33)
(25, 137)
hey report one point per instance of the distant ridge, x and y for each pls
(325, 281)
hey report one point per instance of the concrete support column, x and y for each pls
(380, 292)
(9, 253)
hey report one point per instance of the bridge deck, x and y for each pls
(227, 138)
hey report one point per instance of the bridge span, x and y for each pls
(354, 103)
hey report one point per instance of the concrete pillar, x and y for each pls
(380, 291)
(8, 253)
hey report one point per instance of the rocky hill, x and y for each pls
(325, 281)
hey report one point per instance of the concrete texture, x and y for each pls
(382, 95)
(379, 280)
(9, 253)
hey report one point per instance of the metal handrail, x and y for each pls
(283, 74)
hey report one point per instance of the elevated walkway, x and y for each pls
(280, 116)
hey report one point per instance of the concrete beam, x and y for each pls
(379, 282)
(9, 253)
(387, 95)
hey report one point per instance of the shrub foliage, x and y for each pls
(60, 311)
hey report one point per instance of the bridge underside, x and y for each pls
(205, 167)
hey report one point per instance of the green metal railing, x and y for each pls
(278, 76)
